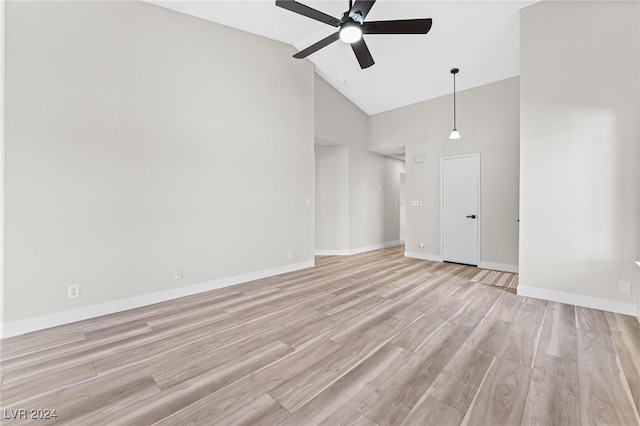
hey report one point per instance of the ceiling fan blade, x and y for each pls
(307, 11)
(317, 46)
(403, 26)
(362, 7)
(362, 53)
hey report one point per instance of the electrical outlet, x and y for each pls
(290, 254)
(73, 291)
(624, 287)
(308, 202)
(177, 274)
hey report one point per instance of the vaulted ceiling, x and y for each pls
(482, 38)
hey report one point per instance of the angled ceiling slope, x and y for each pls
(482, 38)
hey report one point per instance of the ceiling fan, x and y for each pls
(352, 27)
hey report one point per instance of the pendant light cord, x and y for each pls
(454, 133)
(454, 101)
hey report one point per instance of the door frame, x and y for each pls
(453, 157)
(403, 206)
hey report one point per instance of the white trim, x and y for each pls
(423, 256)
(376, 247)
(498, 267)
(479, 204)
(358, 250)
(638, 308)
(2, 221)
(332, 252)
(15, 328)
(578, 300)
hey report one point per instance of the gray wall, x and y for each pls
(580, 149)
(488, 119)
(393, 168)
(139, 140)
(339, 121)
(332, 198)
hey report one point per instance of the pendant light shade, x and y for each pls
(455, 134)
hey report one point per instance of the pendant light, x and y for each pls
(454, 133)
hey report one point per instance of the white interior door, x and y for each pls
(460, 178)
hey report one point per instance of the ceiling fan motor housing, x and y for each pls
(355, 17)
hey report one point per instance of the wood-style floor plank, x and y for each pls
(625, 331)
(506, 307)
(501, 397)
(520, 343)
(12, 350)
(458, 383)
(82, 412)
(223, 402)
(531, 310)
(554, 396)
(263, 410)
(297, 391)
(370, 339)
(605, 397)
(357, 419)
(592, 320)
(476, 306)
(340, 400)
(57, 378)
(418, 333)
(395, 398)
(559, 334)
(488, 336)
(431, 412)
(189, 393)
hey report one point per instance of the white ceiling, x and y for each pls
(482, 38)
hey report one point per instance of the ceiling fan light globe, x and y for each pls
(350, 33)
(454, 134)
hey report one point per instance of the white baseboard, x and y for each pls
(578, 300)
(423, 256)
(498, 267)
(332, 252)
(15, 328)
(376, 247)
(358, 250)
(483, 265)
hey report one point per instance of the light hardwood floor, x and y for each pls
(369, 339)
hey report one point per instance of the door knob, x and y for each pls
(473, 216)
